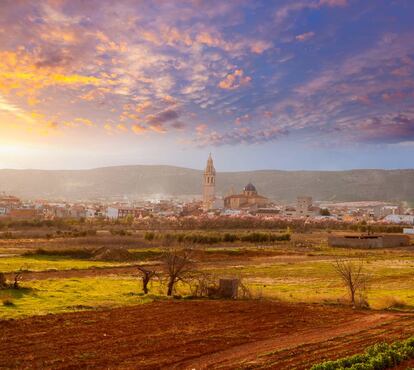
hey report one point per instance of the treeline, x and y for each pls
(199, 223)
(239, 223)
(214, 238)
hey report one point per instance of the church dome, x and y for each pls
(250, 188)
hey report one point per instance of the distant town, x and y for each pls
(246, 202)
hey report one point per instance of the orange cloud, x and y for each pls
(122, 127)
(143, 106)
(19, 73)
(234, 80)
(138, 129)
(85, 122)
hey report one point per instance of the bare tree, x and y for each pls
(17, 277)
(179, 266)
(147, 275)
(354, 277)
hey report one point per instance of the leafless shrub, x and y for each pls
(201, 284)
(18, 276)
(244, 291)
(355, 279)
(179, 266)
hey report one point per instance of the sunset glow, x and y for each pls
(153, 81)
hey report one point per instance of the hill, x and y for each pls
(141, 181)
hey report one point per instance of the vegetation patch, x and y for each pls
(216, 237)
(379, 356)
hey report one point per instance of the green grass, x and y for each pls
(45, 262)
(316, 280)
(303, 276)
(65, 295)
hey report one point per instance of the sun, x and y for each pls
(12, 149)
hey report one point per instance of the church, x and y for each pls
(248, 199)
(209, 187)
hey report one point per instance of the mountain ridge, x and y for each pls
(135, 181)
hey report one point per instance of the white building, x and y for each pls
(400, 219)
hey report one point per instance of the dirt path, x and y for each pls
(195, 334)
(249, 352)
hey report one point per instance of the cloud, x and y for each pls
(260, 46)
(305, 36)
(242, 135)
(389, 128)
(241, 119)
(333, 3)
(234, 80)
(161, 68)
(284, 12)
(162, 117)
(143, 106)
(201, 128)
(85, 122)
(138, 129)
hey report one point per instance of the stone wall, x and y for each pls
(368, 241)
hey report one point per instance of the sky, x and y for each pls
(304, 84)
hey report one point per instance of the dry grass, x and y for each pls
(389, 302)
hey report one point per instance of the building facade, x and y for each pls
(303, 206)
(248, 199)
(209, 185)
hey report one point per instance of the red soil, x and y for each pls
(196, 334)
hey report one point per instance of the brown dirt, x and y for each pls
(112, 254)
(196, 334)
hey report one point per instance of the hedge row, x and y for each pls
(378, 357)
(199, 238)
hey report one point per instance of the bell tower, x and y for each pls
(209, 185)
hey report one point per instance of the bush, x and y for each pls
(230, 238)
(8, 302)
(73, 253)
(150, 235)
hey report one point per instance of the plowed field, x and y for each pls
(196, 335)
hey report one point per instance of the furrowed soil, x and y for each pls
(196, 335)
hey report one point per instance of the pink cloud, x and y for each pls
(305, 36)
(234, 80)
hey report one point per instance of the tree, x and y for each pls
(354, 278)
(179, 267)
(147, 275)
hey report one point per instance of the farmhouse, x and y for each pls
(369, 241)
